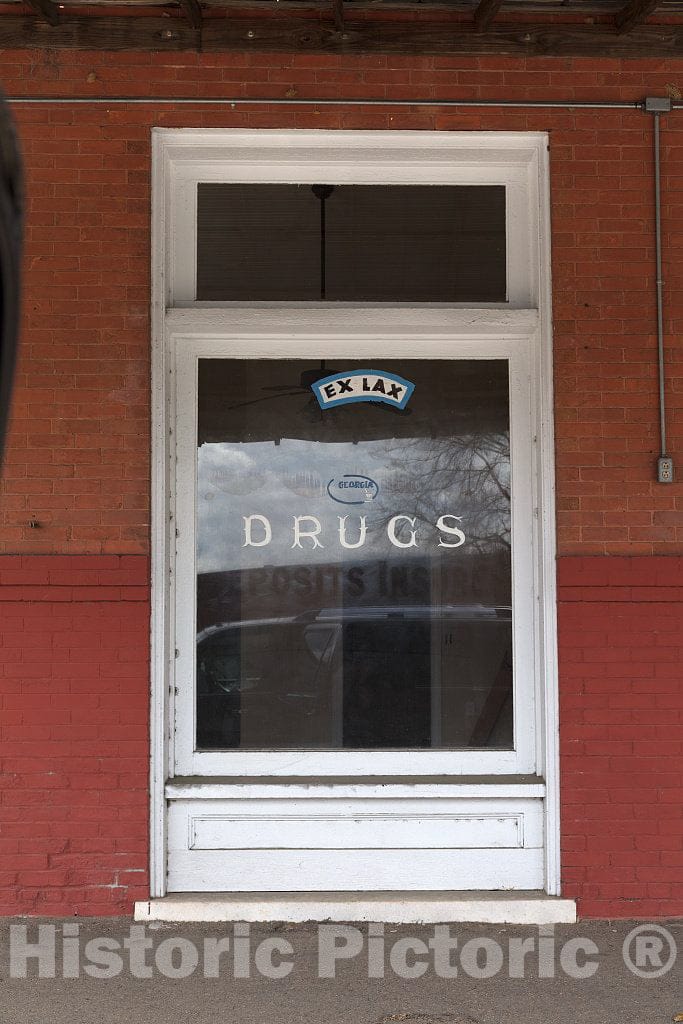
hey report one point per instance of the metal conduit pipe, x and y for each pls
(655, 105)
(658, 106)
(280, 101)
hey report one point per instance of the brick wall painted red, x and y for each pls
(621, 734)
(74, 669)
(74, 752)
(74, 649)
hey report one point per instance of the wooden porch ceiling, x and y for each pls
(558, 28)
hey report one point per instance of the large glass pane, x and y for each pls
(353, 243)
(353, 561)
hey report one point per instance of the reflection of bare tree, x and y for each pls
(466, 475)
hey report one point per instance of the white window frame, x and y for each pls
(328, 335)
(184, 330)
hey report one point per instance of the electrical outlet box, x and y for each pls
(665, 470)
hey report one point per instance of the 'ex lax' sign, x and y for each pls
(362, 386)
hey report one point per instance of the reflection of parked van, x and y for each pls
(358, 677)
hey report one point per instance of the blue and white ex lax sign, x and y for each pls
(363, 386)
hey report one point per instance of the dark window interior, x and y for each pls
(351, 243)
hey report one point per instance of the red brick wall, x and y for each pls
(78, 459)
(74, 752)
(621, 734)
(80, 441)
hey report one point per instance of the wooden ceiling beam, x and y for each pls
(634, 13)
(46, 9)
(297, 35)
(193, 12)
(485, 12)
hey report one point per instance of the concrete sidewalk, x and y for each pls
(613, 995)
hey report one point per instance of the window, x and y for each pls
(359, 589)
(359, 577)
(353, 555)
(353, 564)
(351, 243)
(416, 217)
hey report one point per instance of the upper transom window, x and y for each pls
(351, 243)
(322, 217)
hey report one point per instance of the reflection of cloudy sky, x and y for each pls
(236, 480)
(290, 479)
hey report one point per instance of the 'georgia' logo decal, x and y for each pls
(363, 386)
(352, 489)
